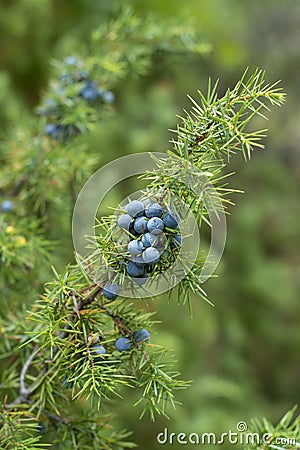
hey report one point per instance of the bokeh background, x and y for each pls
(243, 354)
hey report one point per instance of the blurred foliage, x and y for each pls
(243, 354)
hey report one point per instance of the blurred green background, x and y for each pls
(243, 354)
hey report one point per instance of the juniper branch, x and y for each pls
(25, 392)
(69, 314)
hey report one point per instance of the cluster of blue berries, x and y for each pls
(153, 230)
(6, 206)
(122, 344)
(85, 88)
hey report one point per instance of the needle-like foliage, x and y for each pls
(285, 434)
(52, 354)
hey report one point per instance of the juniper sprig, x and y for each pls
(83, 338)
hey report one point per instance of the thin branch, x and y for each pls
(23, 390)
(118, 322)
(26, 392)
